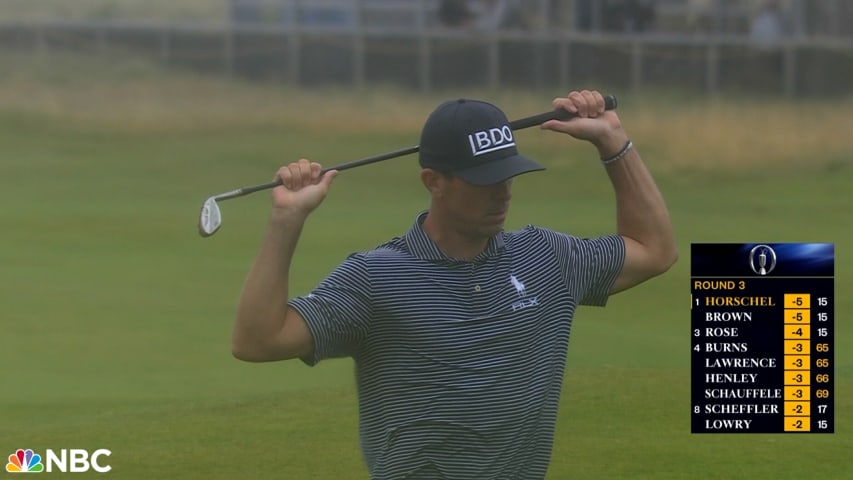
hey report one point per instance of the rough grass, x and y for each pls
(706, 134)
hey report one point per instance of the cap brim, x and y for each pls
(497, 171)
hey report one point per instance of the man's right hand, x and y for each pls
(303, 188)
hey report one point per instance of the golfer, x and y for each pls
(459, 330)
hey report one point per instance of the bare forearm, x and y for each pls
(640, 209)
(263, 301)
(641, 213)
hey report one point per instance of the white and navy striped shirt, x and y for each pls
(459, 364)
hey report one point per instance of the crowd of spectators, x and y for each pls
(765, 21)
(615, 15)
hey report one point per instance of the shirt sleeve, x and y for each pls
(338, 310)
(589, 265)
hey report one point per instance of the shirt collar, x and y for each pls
(422, 247)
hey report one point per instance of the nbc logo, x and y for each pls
(24, 461)
(73, 460)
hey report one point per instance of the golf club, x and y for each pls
(210, 218)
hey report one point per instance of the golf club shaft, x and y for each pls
(521, 123)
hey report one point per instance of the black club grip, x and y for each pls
(560, 114)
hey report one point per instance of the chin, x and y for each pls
(492, 229)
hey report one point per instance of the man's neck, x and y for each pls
(450, 241)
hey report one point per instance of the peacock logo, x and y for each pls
(24, 461)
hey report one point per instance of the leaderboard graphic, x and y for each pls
(761, 336)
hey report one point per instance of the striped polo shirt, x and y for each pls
(459, 364)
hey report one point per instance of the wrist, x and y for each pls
(610, 145)
(618, 155)
(281, 216)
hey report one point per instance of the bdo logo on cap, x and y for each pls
(485, 141)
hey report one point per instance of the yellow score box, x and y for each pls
(797, 332)
(797, 347)
(797, 408)
(797, 424)
(797, 394)
(797, 362)
(797, 300)
(799, 316)
(798, 377)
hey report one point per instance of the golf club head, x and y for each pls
(210, 218)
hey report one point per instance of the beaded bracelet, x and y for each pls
(615, 158)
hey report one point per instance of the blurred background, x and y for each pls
(763, 47)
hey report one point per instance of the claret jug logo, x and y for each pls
(74, 460)
(24, 461)
(762, 259)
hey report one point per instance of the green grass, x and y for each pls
(115, 316)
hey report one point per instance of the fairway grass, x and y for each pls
(116, 316)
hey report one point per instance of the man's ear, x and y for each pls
(433, 181)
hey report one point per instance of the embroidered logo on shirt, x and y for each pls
(519, 287)
(525, 301)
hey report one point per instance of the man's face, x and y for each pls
(476, 211)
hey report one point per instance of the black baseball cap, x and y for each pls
(473, 140)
